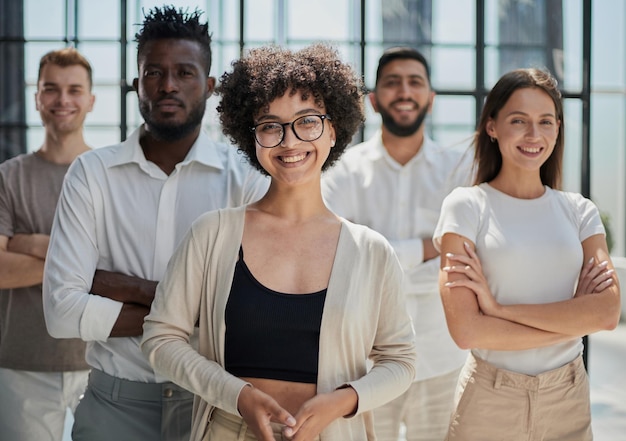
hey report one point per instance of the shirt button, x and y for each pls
(167, 393)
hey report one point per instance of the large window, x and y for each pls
(469, 43)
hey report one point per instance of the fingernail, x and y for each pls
(609, 272)
(288, 431)
(605, 263)
(448, 284)
(290, 422)
(466, 244)
(590, 261)
(446, 268)
(449, 255)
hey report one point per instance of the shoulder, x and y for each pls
(574, 202)
(217, 219)
(365, 237)
(16, 162)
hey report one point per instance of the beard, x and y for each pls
(166, 131)
(402, 130)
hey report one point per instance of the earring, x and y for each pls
(493, 140)
(332, 143)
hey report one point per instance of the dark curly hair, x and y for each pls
(169, 22)
(267, 73)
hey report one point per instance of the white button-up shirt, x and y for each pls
(402, 202)
(119, 212)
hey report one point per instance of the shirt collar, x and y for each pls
(201, 151)
(379, 151)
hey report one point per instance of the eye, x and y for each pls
(151, 73)
(270, 127)
(547, 122)
(307, 122)
(517, 121)
(186, 73)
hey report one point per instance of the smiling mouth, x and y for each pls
(295, 158)
(531, 149)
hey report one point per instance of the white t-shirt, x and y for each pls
(531, 252)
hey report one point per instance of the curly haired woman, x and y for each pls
(291, 300)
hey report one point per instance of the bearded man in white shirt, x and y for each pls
(122, 212)
(395, 184)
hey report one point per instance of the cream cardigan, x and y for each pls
(364, 316)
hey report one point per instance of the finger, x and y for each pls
(603, 281)
(467, 270)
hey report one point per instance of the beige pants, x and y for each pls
(228, 427)
(496, 404)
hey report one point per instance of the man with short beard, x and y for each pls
(395, 184)
(123, 210)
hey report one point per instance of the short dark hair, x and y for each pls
(487, 156)
(401, 53)
(170, 22)
(267, 73)
(65, 57)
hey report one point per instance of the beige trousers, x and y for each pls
(496, 404)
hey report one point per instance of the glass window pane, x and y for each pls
(608, 69)
(454, 22)
(34, 138)
(97, 137)
(304, 20)
(32, 54)
(572, 47)
(453, 68)
(104, 59)
(260, 20)
(98, 19)
(453, 120)
(608, 160)
(572, 155)
(106, 109)
(32, 115)
(44, 19)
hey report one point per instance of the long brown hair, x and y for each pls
(487, 157)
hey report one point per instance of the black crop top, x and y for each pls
(271, 334)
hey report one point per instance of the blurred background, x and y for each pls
(470, 44)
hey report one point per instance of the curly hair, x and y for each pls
(267, 73)
(487, 157)
(169, 22)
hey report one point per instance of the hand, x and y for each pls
(594, 278)
(257, 409)
(318, 412)
(475, 279)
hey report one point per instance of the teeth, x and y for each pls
(531, 149)
(293, 158)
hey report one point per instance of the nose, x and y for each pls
(404, 89)
(168, 83)
(64, 97)
(289, 136)
(533, 130)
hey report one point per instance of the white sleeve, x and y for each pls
(460, 214)
(69, 309)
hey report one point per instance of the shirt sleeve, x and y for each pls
(589, 218)
(460, 214)
(6, 218)
(69, 308)
(336, 190)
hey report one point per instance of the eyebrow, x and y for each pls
(395, 76)
(51, 83)
(519, 112)
(297, 114)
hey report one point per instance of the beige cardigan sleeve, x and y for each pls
(184, 297)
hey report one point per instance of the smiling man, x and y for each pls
(122, 212)
(40, 377)
(395, 184)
